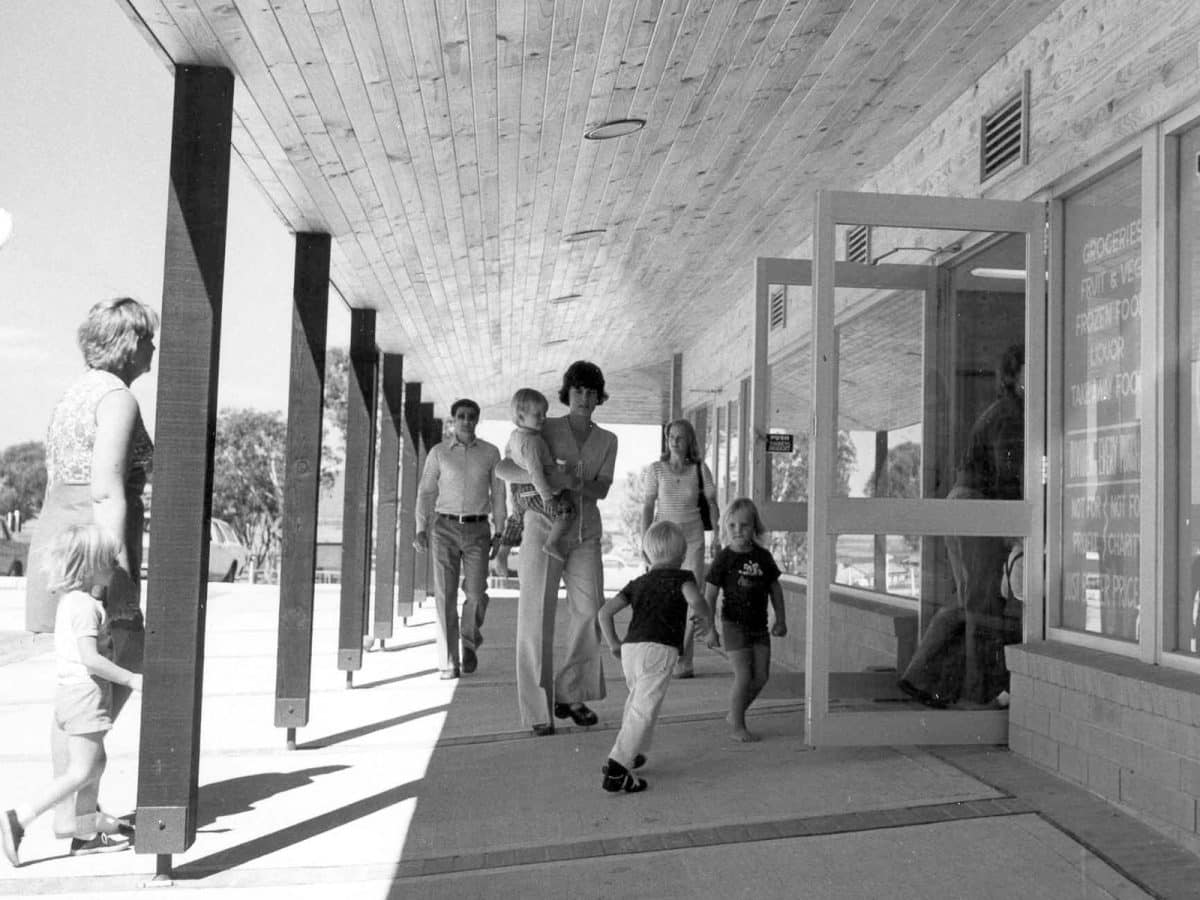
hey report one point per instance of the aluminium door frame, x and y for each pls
(829, 516)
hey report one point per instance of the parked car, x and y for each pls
(14, 550)
(227, 555)
(618, 573)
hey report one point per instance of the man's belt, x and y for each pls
(462, 519)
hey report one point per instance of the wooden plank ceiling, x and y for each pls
(441, 143)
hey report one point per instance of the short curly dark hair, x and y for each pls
(582, 374)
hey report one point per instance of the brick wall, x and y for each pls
(1122, 728)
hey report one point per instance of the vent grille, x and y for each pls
(1004, 135)
(858, 244)
(778, 309)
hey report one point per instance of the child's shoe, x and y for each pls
(618, 778)
(11, 834)
(100, 843)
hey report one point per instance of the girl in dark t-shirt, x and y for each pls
(746, 577)
(660, 601)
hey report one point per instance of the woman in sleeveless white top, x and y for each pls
(671, 491)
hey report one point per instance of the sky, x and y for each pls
(84, 147)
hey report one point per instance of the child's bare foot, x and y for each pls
(744, 736)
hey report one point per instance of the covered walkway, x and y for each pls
(411, 786)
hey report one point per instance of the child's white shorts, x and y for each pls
(84, 708)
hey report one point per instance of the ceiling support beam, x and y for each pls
(193, 277)
(302, 483)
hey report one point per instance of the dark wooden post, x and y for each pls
(194, 271)
(676, 387)
(388, 483)
(882, 489)
(356, 509)
(302, 482)
(410, 474)
(423, 581)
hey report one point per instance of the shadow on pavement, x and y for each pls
(294, 834)
(351, 734)
(238, 795)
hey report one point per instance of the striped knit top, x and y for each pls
(677, 496)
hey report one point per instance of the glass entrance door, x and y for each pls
(922, 465)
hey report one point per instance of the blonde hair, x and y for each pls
(76, 556)
(736, 506)
(526, 399)
(108, 337)
(692, 454)
(664, 542)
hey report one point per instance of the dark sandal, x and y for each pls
(578, 713)
(617, 778)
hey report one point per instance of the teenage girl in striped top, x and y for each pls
(671, 491)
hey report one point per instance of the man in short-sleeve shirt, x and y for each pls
(457, 493)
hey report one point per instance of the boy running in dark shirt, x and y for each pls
(660, 601)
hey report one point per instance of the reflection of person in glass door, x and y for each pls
(961, 655)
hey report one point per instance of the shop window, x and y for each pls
(1103, 405)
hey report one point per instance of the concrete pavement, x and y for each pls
(410, 786)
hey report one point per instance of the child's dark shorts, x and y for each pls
(736, 636)
(84, 708)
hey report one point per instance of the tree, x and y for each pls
(789, 482)
(630, 511)
(248, 471)
(903, 479)
(23, 478)
(337, 388)
(903, 473)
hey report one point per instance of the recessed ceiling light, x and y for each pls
(614, 128)
(566, 298)
(583, 235)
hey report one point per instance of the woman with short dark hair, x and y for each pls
(545, 690)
